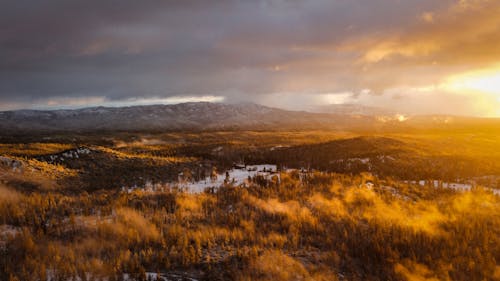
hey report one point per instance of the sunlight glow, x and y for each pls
(484, 81)
(401, 117)
(337, 98)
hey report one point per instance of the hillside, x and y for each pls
(186, 116)
(204, 116)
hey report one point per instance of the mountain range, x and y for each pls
(212, 116)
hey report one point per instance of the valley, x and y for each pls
(219, 205)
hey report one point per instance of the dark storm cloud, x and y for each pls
(242, 50)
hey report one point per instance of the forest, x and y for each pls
(339, 207)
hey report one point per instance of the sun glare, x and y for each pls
(485, 81)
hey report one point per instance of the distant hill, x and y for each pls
(353, 109)
(184, 116)
(213, 116)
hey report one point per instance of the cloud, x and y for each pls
(428, 17)
(465, 33)
(434, 99)
(239, 50)
(94, 101)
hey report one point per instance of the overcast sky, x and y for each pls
(416, 56)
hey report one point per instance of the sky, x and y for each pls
(411, 56)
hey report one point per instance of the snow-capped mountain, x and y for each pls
(199, 116)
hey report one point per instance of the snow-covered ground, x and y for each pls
(239, 176)
(68, 154)
(235, 176)
(171, 276)
(6, 231)
(12, 163)
(162, 277)
(455, 186)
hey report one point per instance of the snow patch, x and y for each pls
(234, 176)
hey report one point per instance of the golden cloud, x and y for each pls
(465, 33)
